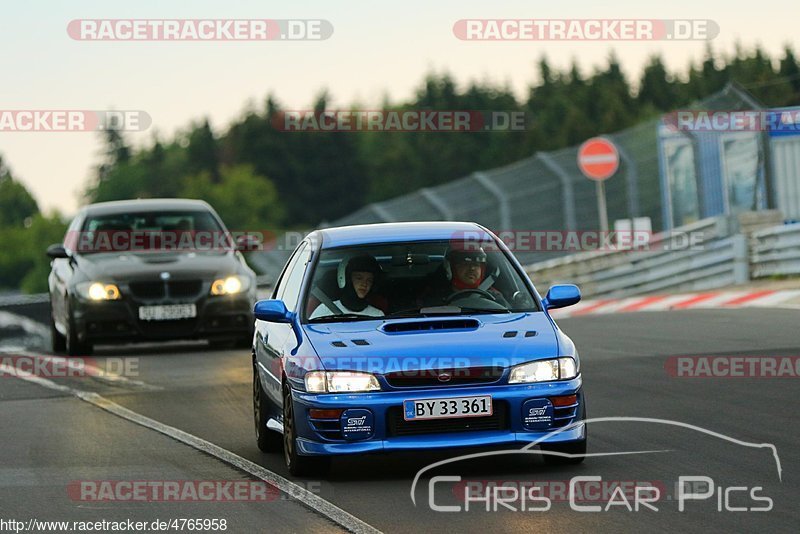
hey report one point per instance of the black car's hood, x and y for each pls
(115, 267)
(376, 346)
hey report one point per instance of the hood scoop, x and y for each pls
(402, 327)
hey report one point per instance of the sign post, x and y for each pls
(598, 160)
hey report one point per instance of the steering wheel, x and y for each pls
(462, 292)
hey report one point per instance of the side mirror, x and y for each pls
(561, 296)
(248, 243)
(272, 311)
(57, 251)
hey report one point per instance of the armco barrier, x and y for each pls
(718, 260)
(775, 251)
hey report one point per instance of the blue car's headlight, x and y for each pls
(340, 382)
(544, 371)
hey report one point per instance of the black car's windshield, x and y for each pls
(151, 231)
(415, 279)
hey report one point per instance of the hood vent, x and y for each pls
(338, 343)
(436, 324)
(360, 342)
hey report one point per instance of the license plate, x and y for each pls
(168, 312)
(419, 410)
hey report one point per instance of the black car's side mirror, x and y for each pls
(57, 251)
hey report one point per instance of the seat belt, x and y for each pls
(488, 281)
(323, 298)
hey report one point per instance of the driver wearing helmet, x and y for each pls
(356, 278)
(466, 271)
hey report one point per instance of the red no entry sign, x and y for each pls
(598, 158)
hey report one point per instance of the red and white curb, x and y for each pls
(685, 301)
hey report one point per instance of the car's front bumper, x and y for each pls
(312, 442)
(118, 321)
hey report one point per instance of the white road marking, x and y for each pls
(312, 501)
(29, 325)
(93, 371)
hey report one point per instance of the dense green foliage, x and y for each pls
(24, 235)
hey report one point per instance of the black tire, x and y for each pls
(569, 447)
(57, 339)
(267, 440)
(74, 346)
(299, 466)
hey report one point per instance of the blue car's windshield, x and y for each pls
(413, 279)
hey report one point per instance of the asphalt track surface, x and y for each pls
(50, 438)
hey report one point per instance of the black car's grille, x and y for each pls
(184, 288)
(444, 377)
(147, 290)
(180, 289)
(397, 426)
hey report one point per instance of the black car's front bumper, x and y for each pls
(218, 317)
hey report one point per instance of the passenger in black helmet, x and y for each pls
(355, 277)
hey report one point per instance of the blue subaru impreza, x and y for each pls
(402, 336)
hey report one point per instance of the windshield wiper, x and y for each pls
(344, 317)
(426, 310)
(445, 310)
(484, 310)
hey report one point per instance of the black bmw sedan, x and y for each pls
(147, 270)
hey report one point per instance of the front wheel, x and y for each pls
(298, 465)
(57, 339)
(73, 345)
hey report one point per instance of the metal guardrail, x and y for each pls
(17, 300)
(720, 260)
(775, 251)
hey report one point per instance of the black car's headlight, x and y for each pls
(544, 371)
(97, 291)
(230, 285)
